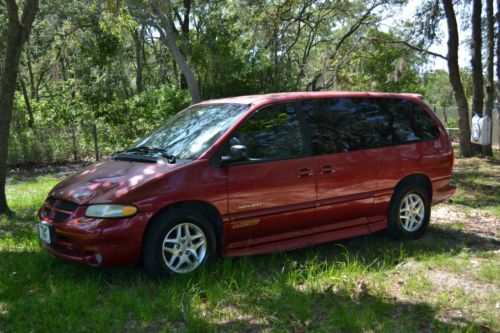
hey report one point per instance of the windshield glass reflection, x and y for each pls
(189, 133)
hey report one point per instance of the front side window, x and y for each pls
(191, 132)
(271, 133)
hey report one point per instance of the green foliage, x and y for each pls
(437, 89)
(119, 124)
(103, 63)
(383, 66)
(143, 113)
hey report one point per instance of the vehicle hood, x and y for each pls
(109, 180)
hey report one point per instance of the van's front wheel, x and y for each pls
(178, 241)
(409, 212)
(184, 248)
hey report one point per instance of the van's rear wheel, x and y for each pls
(409, 211)
(178, 241)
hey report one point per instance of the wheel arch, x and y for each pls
(205, 208)
(416, 178)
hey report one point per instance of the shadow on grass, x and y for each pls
(124, 295)
(250, 294)
(337, 312)
(479, 180)
(379, 249)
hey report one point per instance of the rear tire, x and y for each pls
(178, 241)
(409, 211)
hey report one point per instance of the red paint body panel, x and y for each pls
(263, 207)
(274, 195)
(347, 192)
(117, 240)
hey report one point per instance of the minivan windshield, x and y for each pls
(191, 132)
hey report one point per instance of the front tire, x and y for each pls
(409, 212)
(178, 241)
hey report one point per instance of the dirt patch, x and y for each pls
(457, 296)
(444, 281)
(233, 319)
(469, 220)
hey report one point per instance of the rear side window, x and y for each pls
(271, 133)
(408, 122)
(347, 124)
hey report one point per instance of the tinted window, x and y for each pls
(409, 122)
(344, 124)
(347, 124)
(271, 133)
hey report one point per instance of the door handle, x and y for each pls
(304, 172)
(326, 169)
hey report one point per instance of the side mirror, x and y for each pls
(237, 153)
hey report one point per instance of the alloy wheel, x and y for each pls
(411, 212)
(184, 248)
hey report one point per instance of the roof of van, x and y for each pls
(276, 97)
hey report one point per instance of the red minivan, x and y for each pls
(255, 174)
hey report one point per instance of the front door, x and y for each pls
(272, 194)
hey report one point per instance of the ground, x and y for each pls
(449, 280)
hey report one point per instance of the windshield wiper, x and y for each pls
(148, 149)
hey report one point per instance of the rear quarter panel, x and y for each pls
(433, 159)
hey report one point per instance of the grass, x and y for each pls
(448, 281)
(478, 184)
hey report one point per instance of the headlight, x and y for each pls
(110, 211)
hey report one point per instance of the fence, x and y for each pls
(41, 145)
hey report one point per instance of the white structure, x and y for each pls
(481, 130)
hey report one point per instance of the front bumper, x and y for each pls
(99, 242)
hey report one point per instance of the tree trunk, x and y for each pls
(34, 93)
(17, 34)
(490, 36)
(476, 58)
(185, 34)
(476, 64)
(96, 143)
(138, 40)
(185, 20)
(29, 109)
(455, 80)
(179, 59)
(498, 67)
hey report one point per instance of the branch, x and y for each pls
(408, 45)
(355, 27)
(29, 12)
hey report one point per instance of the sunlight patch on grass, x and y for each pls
(26, 197)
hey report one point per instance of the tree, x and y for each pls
(497, 18)
(138, 36)
(169, 38)
(476, 63)
(18, 31)
(490, 38)
(455, 80)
